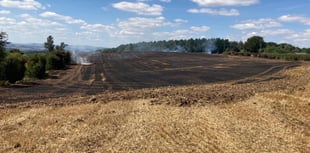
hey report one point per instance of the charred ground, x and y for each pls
(114, 72)
(261, 106)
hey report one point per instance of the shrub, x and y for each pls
(54, 61)
(36, 66)
(4, 83)
(67, 57)
(13, 67)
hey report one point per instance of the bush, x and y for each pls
(289, 56)
(54, 61)
(67, 57)
(4, 83)
(13, 67)
(36, 66)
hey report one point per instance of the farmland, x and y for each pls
(130, 71)
(161, 102)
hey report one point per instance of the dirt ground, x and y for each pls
(268, 111)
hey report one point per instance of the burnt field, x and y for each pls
(131, 71)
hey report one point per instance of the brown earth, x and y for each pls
(267, 110)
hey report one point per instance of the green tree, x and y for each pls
(67, 57)
(35, 66)
(221, 45)
(16, 50)
(52, 62)
(233, 47)
(3, 42)
(61, 47)
(49, 44)
(254, 44)
(55, 60)
(14, 67)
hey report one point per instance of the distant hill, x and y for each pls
(26, 47)
(33, 47)
(83, 48)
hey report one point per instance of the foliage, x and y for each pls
(35, 67)
(53, 62)
(289, 56)
(220, 45)
(49, 44)
(3, 42)
(59, 58)
(61, 47)
(67, 57)
(4, 83)
(254, 44)
(217, 45)
(281, 48)
(16, 50)
(190, 45)
(13, 67)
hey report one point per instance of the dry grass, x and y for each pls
(267, 122)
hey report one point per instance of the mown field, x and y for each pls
(210, 104)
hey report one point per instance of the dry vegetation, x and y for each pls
(267, 114)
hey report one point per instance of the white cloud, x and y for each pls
(139, 8)
(257, 24)
(200, 29)
(183, 33)
(270, 33)
(300, 39)
(295, 18)
(32, 21)
(7, 21)
(23, 4)
(223, 11)
(5, 12)
(98, 28)
(139, 25)
(28, 29)
(132, 29)
(225, 2)
(67, 19)
(166, 1)
(180, 21)
(276, 32)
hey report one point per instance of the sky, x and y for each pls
(109, 23)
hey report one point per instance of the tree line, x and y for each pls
(252, 46)
(16, 65)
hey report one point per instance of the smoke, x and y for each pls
(210, 46)
(81, 57)
(85, 61)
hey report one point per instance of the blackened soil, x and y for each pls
(131, 71)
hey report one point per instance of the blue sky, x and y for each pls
(109, 23)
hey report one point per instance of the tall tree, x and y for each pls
(49, 44)
(254, 44)
(61, 47)
(3, 42)
(221, 45)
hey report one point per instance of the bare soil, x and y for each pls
(229, 104)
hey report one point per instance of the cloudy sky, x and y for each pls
(108, 23)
